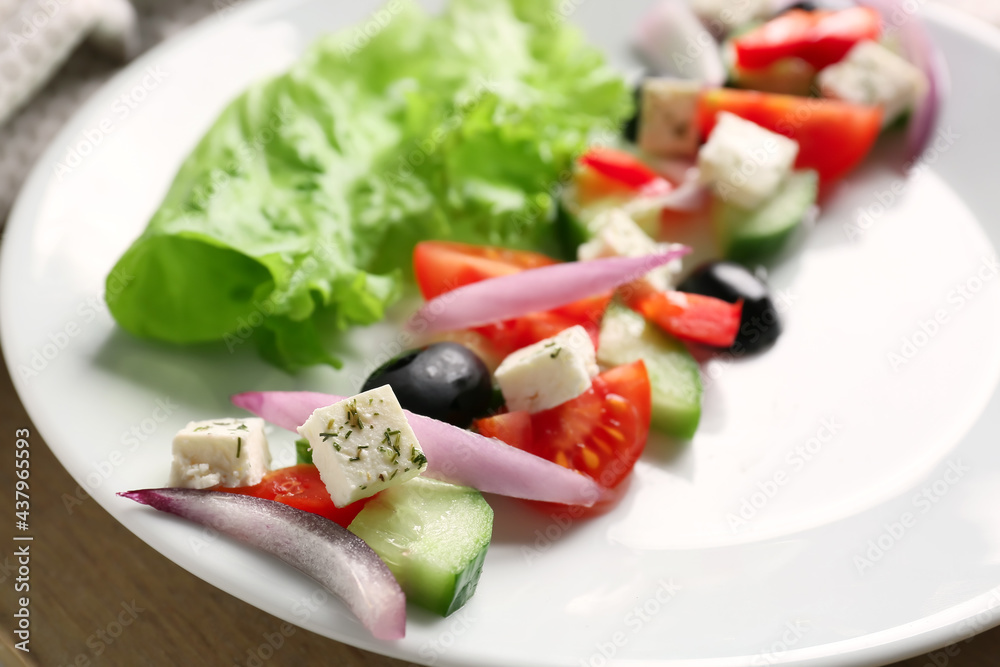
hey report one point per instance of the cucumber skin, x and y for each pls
(752, 250)
(738, 229)
(465, 585)
(441, 593)
(442, 588)
(570, 230)
(627, 337)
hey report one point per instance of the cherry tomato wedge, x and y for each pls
(600, 433)
(510, 335)
(514, 428)
(300, 486)
(833, 136)
(820, 38)
(592, 186)
(442, 266)
(626, 169)
(691, 317)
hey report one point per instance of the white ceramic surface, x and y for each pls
(837, 507)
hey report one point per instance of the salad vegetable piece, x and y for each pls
(674, 378)
(749, 235)
(818, 37)
(508, 336)
(665, 36)
(533, 290)
(440, 266)
(600, 433)
(760, 325)
(624, 171)
(433, 536)
(330, 554)
(301, 487)
(833, 136)
(692, 317)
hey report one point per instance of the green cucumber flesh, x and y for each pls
(673, 373)
(433, 536)
(753, 235)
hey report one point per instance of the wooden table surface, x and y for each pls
(100, 596)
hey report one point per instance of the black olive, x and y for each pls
(804, 6)
(445, 381)
(759, 324)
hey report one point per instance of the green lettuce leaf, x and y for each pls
(296, 215)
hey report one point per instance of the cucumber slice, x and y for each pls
(570, 229)
(303, 451)
(673, 372)
(751, 235)
(433, 536)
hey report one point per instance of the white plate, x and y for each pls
(665, 579)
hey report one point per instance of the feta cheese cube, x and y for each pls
(743, 162)
(362, 445)
(617, 235)
(666, 120)
(645, 211)
(872, 74)
(721, 16)
(549, 372)
(230, 452)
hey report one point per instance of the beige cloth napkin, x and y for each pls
(92, 52)
(36, 37)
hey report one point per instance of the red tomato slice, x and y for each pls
(510, 335)
(833, 136)
(626, 169)
(692, 317)
(592, 186)
(514, 428)
(820, 38)
(600, 433)
(590, 309)
(442, 266)
(301, 487)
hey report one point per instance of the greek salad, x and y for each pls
(551, 341)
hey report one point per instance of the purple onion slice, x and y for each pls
(546, 287)
(673, 42)
(330, 554)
